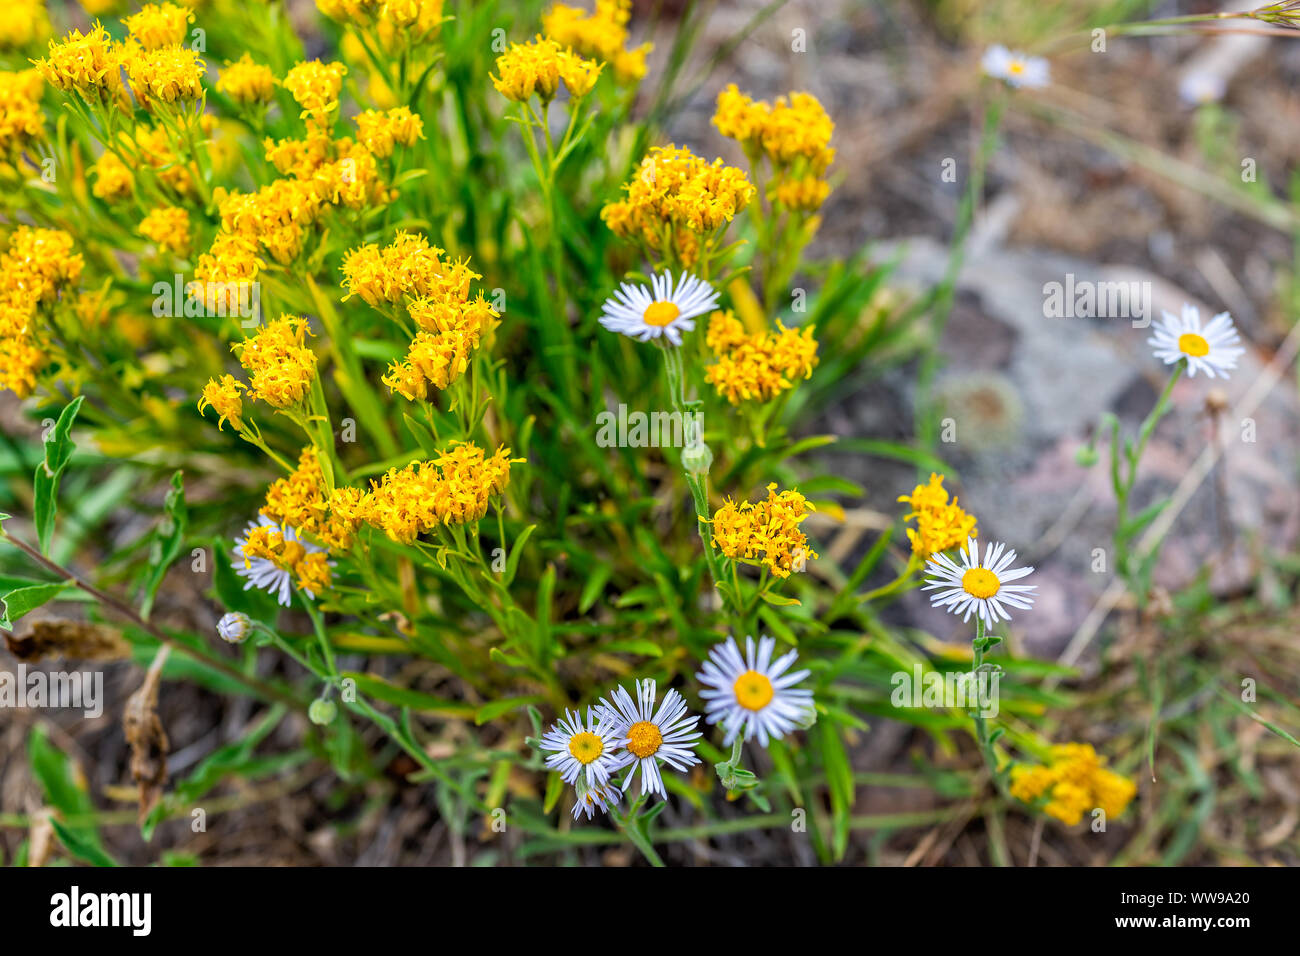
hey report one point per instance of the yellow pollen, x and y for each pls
(1015, 66)
(1189, 343)
(644, 738)
(753, 690)
(660, 313)
(585, 747)
(980, 583)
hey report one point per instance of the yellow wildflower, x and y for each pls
(379, 132)
(301, 502)
(24, 22)
(85, 63)
(601, 35)
(165, 75)
(38, 264)
(768, 531)
(246, 81)
(1074, 782)
(169, 227)
(757, 367)
(678, 196)
(315, 86)
(223, 397)
(225, 273)
(940, 524)
(280, 366)
(113, 181)
(790, 131)
(159, 25)
(20, 112)
(538, 68)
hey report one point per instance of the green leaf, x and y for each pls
(371, 685)
(64, 788)
(593, 587)
(512, 563)
(498, 707)
(635, 645)
(168, 539)
(19, 602)
(58, 451)
(80, 847)
(777, 600)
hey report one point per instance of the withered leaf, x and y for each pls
(37, 640)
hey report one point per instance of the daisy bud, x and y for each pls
(697, 458)
(234, 627)
(322, 712)
(1086, 456)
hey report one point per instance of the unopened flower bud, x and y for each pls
(234, 627)
(322, 711)
(697, 458)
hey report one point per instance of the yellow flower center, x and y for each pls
(1016, 66)
(644, 738)
(1189, 343)
(753, 690)
(660, 313)
(585, 747)
(980, 583)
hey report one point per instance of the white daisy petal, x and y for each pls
(648, 736)
(978, 587)
(660, 311)
(1210, 349)
(752, 695)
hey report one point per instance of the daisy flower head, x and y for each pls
(752, 694)
(270, 556)
(979, 587)
(1209, 349)
(584, 749)
(1016, 69)
(667, 735)
(590, 799)
(663, 310)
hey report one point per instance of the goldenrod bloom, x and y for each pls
(379, 132)
(222, 396)
(315, 86)
(454, 489)
(246, 81)
(768, 531)
(280, 366)
(39, 263)
(159, 25)
(301, 501)
(537, 69)
(169, 227)
(273, 557)
(601, 35)
(113, 181)
(24, 22)
(757, 367)
(165, 75)
(85, 63)
(20, 112)
(225, 272)
(1074, 782)
(677, 198)
(940, 524)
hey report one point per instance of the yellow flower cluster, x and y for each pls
(24, 22)
(113, 181)
(159, 25)
(20, 112)
(437, 298)
(537, 68)
(275, 217)
(246, 81)
(37, 266)
(601, 35)
(380, 132)
(768, 531)
(793, 133)
(396, 22)
(301, 502)
(940, 524)
(169, 227)
(165, 75)
(1074, 782)
(316, 86)
(757, 367)
(310, 569)
(407, 266)
(222, 395)
(453, 489)
(225, 272)
(280, 366)
(87, 64)
(676, 198)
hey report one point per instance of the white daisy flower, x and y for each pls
(1015, 68)
(662, 310)
(592, 747)
(650, 736)
(1207, 349)
(590, 799)
(754, 694)
(979, 587)
(266, 575)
